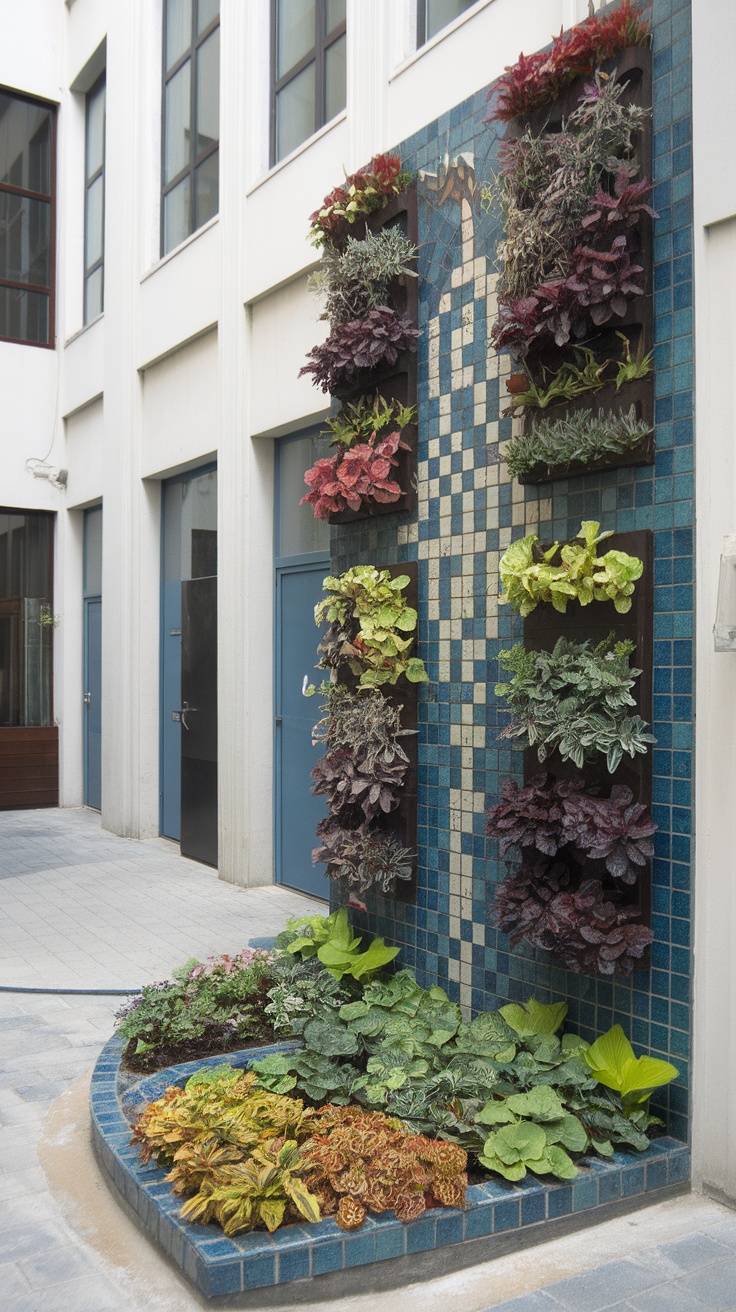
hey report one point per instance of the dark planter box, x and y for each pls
(593, 623)
(639, 394)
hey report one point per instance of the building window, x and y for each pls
(94, 202)
(433, 15)
(26, 618)
(26, 220)
(191, 118)
(308, 45)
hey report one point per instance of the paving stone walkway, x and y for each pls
(128, 912)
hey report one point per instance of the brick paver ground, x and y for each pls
(126, 912)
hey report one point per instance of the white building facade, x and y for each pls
(168, 388)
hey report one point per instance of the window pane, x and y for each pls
(25, 239)
(178, 29)
(25, 645)
(208, 198)
(95, 131)
(178, 126)
(295, 33)
(299, 531)
(335, 14)
(25, 144)
(177, 221)
(93, 295)
(295, 112)
(93, 552)
(207, 11)
(24, 316)
(442, 12)
(208, 92)
(93, 234)
(335, 74)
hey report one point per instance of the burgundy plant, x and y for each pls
(353, 784)
(355, 349)
(361, 193)
(354, 477)
(539, 79)
(587, 932)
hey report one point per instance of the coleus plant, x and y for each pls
(357, 477)
(589, 930)
(362, 772)
(537, 80)
(363, 859)
(355, 349)
(548, 815)
(530, 574)
(362, 193)
(372, 629)
(574, 699)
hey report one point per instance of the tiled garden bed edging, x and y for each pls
(217, 1265)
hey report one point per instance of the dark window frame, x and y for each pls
(88, 182)
(323, 40)
(422, 37)
(50, 291)
(195, 160)
(51, 515)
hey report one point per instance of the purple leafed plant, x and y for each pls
(352, 784)
(547, 816)
(587, 932)
(356, 348)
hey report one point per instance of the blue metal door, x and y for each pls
(93, 702)
(297, 811)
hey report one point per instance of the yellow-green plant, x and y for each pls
(372, 629)
(575, 571)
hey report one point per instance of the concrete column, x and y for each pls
(130, 639)
(371, 37)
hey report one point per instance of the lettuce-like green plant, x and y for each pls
(534, 1017)
(332, 940)
(613, 1062)
(372, 629)
(530, 574)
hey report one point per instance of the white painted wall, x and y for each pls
(714, 1026)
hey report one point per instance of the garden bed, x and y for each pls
(498, 1215)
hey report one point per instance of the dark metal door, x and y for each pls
(199, 719)
(93, 702)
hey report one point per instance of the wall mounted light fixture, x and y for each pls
(724, 629)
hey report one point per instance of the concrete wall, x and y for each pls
(714, 121)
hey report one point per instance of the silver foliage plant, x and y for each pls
(360, 277)
(584, 436)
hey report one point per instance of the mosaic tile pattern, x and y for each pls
(468, 511)
(218, 1265)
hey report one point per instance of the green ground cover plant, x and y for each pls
(575, 700)
(574, 571)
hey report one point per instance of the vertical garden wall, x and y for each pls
(468, 511)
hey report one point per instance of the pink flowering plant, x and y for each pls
(211, 1006)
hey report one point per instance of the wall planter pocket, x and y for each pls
(639, 395)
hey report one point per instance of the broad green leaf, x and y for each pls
(330, 1039)
(611, 1059)
(496, 1113)
(512, 1171)
(539, 1104)
(519, 1143)
(534, 1017)
(562, 1165)
(569, 1132)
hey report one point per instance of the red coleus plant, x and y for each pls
(355, 477)
(539, 79)
(354, 349)
(362, 193)
(587, 930)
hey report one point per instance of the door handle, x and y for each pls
(87, 699)
(278, 721)
(185, 711)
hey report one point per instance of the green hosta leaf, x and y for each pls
(534, 1017)
(560, 1164)
(352, 1010)
(611, 1059)
(603, 1146)
(569, 1132)
(523, 1142)
(515, 1171)
(540, 1104)
(496, 1113)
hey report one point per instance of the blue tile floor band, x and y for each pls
(508, 1215)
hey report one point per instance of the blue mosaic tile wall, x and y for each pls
(468, 511)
